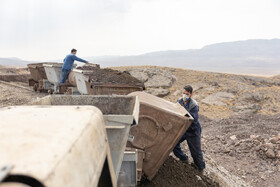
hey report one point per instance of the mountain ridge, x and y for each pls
(254, 56)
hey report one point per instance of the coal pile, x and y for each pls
(109, 76)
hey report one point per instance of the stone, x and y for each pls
(274, 140)
(233, 137)
(270, 153)
(217, 98)
(197, 86)
(252, 97)
(263, 147)
(269, 146)
(153, 77)
(253, 136)
(198, 178)
(278, 154)
(140, 75)
(160, 92)
(227, 150)
(159, 81)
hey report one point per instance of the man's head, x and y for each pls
(187, 92)
(74, 51)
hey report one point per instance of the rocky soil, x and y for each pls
(176, 173)
(11, 95)
(240, 117)
(220, 95)
(14, 89)
(247, 145)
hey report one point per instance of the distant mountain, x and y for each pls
(258, 56)
(12, 62)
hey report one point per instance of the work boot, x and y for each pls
(197, 168)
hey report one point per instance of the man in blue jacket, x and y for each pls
(193, 134)
(68, 64)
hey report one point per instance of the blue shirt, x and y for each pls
(69, 61)
(192, 107)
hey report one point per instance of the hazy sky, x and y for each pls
(48, 29)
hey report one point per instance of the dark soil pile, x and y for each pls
(97, 75)
(176, 173)
(88, 67)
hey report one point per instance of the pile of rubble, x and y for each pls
(269, 148)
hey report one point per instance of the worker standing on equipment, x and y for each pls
(68, 64)
(193, 134)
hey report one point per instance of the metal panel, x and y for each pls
(54, 72)
(129, 167)
(37, 71)
(57, 145)
(120, 112)
(160, 127)
(81, 81)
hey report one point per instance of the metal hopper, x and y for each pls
(161, 125)
(55, 146)
(119, 112)
(87, 87)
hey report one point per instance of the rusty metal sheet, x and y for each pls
(37, 71)
(160, 127)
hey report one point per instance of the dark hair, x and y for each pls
(188, 88)
(73, 50)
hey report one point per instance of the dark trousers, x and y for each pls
(194, 142)
(65, 75)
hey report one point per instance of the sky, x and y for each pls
(49, 29)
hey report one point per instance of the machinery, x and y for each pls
(55, 146)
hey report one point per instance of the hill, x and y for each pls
(255, 57)
(258, 56)
(13, 62)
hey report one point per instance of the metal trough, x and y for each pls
(37, 71)
(55, 146)
(129, 167)
(119, 113)
(54, 73)
(161, 125)
(86, 87)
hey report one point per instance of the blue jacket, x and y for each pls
(192, 107)
(69, 61)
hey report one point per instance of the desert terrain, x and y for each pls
(239, 114)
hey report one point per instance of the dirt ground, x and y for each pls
(240, 118)
(11, 95)
(246, 145)
(14, 89)
(176, 173)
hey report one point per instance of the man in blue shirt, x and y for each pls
(193, 134)
(68, 64)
